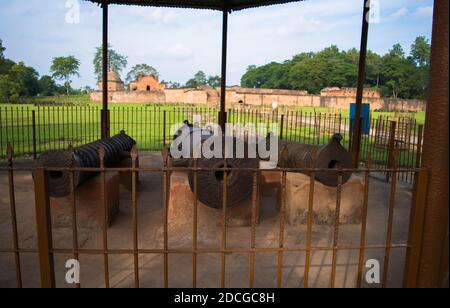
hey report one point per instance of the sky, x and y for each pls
(178, 42)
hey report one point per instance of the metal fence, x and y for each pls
(47, 252)
(32, 130)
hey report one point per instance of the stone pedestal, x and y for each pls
(181, 208)
(89, 204)
(297, 199)
(126, 177)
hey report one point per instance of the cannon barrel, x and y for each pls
(211, 183)
(331, 156)
(116, 149)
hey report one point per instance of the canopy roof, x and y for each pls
(230, 5)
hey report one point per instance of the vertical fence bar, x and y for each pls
(416, 229)
(282, 127)
(336, 231)
(164, 128)
(101, 154)
(224, 225)
(312, 181)
(73, 208)
(253, 231)
(364, 222)
(392, 147)
(134, 156)
(33, 115)
(44, 228)
(12, 201)
(390, 221)
(282, 226)
(195, 228)
(166, 225)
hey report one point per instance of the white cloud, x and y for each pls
(179, 52)
(425, 11)
(403, 11)
(154, 15)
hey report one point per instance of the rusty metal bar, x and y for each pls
(134, 156)
(73, 202)
(195, 229)
(253, 228)
(282, 227)
(336, 231)
(164, 128)
(44, 229)
(390, 223)
(166, 226)
(360, 87)
(364, 223)
(12, 201)
(282, 126)
(312, 181)
(392, 148)
(416, 225)
(434, 257)
(101, 154)
(224, 227)
(188, 251)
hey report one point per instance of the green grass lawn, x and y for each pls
(58, 126)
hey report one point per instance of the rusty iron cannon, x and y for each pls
(116, 149)
(329, 157)
(211, 186)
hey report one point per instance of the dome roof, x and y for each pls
(113, 76)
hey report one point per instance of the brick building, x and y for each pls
(114, 83)
(148, 83)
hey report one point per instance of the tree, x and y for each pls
(171, 84)
(214, 81)
(26, 78)
(394, 72)
(198, 80)
(116, 61)
(63, 68)
(420, 51)
(141, 70)
(47, 86)
(5, 66)
(2, 49)
(8, 89)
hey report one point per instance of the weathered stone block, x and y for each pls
(297, 200)
(89, 204)
(181, 208)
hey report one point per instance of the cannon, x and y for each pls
(211, 183)
(116, 148)
(331, 156)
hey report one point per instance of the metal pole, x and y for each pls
(356, 140)
(433, 266)
(105, 118)
(44, 229)
(223, 90)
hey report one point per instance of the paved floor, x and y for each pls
(209, 267)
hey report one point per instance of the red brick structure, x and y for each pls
(146, 83)
(114, 83)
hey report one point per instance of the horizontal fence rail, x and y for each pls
(47, 251)
(33, 130)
